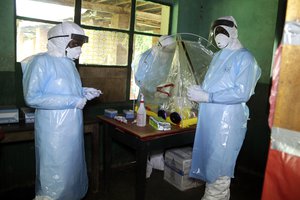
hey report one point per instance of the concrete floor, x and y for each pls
(243, 187)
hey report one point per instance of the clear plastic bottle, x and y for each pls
(141, 113)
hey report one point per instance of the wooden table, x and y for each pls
(143, 140)
(25, 132)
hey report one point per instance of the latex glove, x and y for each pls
(196, 93)
(81, 103)
(91, 93)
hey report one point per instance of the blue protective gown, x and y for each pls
(222, 123)
(52, 85)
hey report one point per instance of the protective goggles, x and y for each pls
(78, 37)
(220, 30)
(222, 22)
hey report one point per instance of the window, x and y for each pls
(118, 30)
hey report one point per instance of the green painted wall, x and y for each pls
(7, 53)
(7, 40)
(256, 24)
(190, 16)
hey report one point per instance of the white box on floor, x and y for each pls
(177, 167)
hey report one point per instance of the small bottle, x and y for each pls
(141, 113)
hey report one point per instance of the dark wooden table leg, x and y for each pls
(95, 158)
(107, 159)
(141, 157)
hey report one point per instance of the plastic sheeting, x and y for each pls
(291, 34)
(52, 85)
(222, 124)
(163, 73)
(282, 177)
(286, 141)
(283, 180)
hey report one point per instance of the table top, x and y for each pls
(144, 133)
(17, 132)
(22, 126)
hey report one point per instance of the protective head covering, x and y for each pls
(166, 40)
(166, 43)
(224, 32)
(61, 35)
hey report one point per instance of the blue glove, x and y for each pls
(197, 94)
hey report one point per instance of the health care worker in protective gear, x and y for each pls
(52, 85)
(223, 113)
(165, 46)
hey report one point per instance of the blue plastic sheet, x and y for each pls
(52, 85)
(222, 124)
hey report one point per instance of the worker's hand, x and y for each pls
(196, 93)
(91, 93)
(81, 103)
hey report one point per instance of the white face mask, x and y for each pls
(222, 41)
(73, 53)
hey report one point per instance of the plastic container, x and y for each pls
(110, 113)
(141, 113)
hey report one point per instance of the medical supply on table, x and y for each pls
(121, 119)
(188, 122)
(162, 113)
(175, 118)
(159, 123)
(141, 113)
(128, 114)
(109, 112)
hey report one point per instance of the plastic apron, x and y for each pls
(222, 124)
(52, 85)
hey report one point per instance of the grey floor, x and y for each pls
(244, 187)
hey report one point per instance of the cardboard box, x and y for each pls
(177, 168)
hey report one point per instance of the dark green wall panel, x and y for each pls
(256, 20)
(17, 165)
(254, 152)
(190, 16)
(7, 36)
(7, 88)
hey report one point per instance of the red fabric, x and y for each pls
(282, 177)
